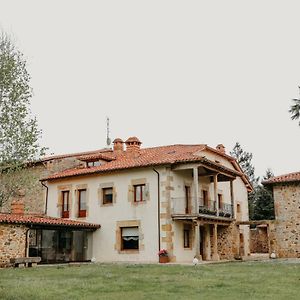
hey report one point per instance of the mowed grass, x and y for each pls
(237, 280)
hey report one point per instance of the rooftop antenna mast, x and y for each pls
(108, 140)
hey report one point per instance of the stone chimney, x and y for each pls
(118, 145)
(133, 145)
(221, 148)
(17, 207)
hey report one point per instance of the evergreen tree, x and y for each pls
(260, 201)
(245, 161)
(19, 133)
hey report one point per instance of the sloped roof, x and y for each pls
(290, 177)
(164, 155)
(45, 220)
(75, 155)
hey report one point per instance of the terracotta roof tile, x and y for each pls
(45, 220)
(146, 157)
(291, 177)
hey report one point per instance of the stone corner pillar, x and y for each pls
(215, 254)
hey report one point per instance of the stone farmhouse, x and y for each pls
(284, 232)
(126, 204)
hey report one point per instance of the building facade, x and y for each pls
(186, 199)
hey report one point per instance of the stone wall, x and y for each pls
(12, 242)
(34, 192)
(284, 232)
(228, 241)
(259, 240)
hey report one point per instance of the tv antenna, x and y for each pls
(108, 140)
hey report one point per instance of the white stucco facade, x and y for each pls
(104, 243)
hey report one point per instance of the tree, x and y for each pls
(19, 133)
(261, 204)
(262, 200)
(295, 109)
(245, 161)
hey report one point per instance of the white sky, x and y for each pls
(166, 71)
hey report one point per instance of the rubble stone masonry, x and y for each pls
(12, 242)
(284, 232)
(228, 241)
(35, 195)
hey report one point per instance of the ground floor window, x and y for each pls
(187, 236)
(130, 238)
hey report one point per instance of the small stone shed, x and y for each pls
(284, 232)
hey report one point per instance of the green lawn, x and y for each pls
(240, 280)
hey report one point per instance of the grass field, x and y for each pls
(247, 280)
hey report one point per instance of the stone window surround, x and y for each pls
(131, 189)
(60, 190)
(128, 223)
(100, 193)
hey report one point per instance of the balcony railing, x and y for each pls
(181, 206)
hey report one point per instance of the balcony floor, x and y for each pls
(203, 217)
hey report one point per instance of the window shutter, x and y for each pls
(130, 231)
(147, 191)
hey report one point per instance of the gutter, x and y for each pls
(158, 207)
(47, 190)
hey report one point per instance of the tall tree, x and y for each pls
(245, 161)
(262, 200)
(295, 109)
(19, 133)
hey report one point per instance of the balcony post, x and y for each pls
(232, 199)
(196, 190)
(216, 193)
(215, 255)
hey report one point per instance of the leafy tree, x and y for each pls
(295, 109)
(19, 133)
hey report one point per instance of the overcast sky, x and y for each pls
(165, 71)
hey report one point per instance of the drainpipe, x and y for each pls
(158, 206)
(47, 189)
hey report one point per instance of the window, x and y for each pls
(205, 198)
(107, 195)
(187, 199)
(238, 208)
(220, 200)
(65, 204)
(139, 193)
(82, 203)
(130, 238)
(93, 163)
(187, 236)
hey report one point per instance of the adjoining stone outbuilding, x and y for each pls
(284, 231)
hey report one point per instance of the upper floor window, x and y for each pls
(139, 193)
(65, 204)
(220, 200)
(107, 195)
(205, 198)
(82, 203)
(93, 163)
